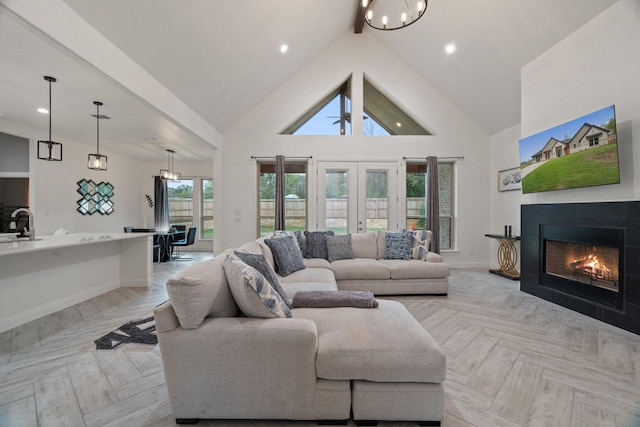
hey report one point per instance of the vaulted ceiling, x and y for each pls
(222, 57)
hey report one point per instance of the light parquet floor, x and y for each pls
(513, 360)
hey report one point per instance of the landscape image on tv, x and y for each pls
(579, 153)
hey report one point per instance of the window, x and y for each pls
(295, 196)
(594, 140)
(384, 117)
(416, 199)
(181, 202)
(330, 116)
(206, 217)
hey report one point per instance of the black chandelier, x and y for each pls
(389, 15)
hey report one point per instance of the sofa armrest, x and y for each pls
(166, 318)
(434, 257)
(239, 367)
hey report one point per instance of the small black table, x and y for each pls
(507, 256)
(165, 240)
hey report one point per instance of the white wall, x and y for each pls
(564, 83)
(456, 135)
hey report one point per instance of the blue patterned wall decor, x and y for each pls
(95, 198)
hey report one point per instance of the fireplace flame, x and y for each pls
(590, 266)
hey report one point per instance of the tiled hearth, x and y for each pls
(614, 224)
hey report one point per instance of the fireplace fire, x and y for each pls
(588, 264)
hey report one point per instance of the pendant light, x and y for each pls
(388, 15)
(97, 161)
(168, 173)
(50, 150)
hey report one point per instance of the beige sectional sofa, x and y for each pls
(326, 364)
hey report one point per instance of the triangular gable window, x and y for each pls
(387, 118)
(330, 116)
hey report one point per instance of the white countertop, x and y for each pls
(64, 240)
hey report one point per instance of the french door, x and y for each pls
(357, 197)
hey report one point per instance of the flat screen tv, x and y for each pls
(579, 153)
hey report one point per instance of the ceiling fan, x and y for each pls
(345, 116)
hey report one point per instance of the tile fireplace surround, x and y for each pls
(605, 219)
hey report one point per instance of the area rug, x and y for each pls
(137, 335)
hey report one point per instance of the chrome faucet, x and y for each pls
(32, 227)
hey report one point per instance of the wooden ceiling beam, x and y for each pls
(359, 24)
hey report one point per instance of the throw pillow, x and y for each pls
(398, 245)
(259, 262)
(286, 254)
(420, 244)
(317, 243)
(252, 292)
(339, 247)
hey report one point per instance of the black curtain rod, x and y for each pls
(273, 158)
(443, 158)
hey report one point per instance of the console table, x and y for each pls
(507, 256)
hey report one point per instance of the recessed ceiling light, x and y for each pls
(43, 110)
(450, 48)
(399, 124)
(284, 48)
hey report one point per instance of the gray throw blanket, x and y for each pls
(328, 299)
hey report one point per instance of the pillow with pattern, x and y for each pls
(398, 245)
(286, 255)
(260, 263)
(317, 243)
(339, 247)
(420, 244)
(252, 292)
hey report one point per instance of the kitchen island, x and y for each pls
(51, 273)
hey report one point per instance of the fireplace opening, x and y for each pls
(592, 265)
(584, 262)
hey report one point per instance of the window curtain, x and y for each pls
(279, 220)
(161, 198)
(433, 203)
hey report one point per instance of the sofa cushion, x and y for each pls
(252, 247)
(360, 268)
(309, 279)
(259, 262)
(385, 344)
(398, 245)
(416, 269)
(252, 292)
(317, 263)
(201, 291)
(286, 254)
(363, 245)
(339, 247)
(317, 244)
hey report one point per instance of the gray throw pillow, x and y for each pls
(420, 244)
(252, 292)
(398, 245)
(317, 243)
(339, 247)
(286, 255)
(259, 262)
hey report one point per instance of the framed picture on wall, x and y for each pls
(510, 179)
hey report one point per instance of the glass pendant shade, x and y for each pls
(97, 161)
(50, 150)
(393, 14)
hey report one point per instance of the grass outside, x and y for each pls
(596, 166)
